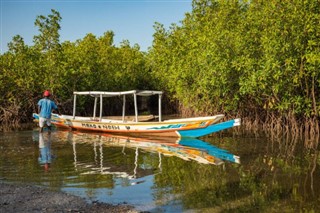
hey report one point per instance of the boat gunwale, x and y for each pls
(214, 119)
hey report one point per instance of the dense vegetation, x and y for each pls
(260, 60)
(256, 59)
(90, 63)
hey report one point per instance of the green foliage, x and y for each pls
(49, 27)
(249, 58)
(90, 63)
(242, 56)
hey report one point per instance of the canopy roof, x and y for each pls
(101, 94)
(111, 94)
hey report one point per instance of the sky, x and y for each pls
(130, 20)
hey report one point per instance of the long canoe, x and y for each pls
(184, 127)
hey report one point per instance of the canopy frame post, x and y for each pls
(135, 106)
(101, 103)
(124, 108)
(74, 106)
(160, 96)
(95, 107)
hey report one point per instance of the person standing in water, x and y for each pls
(45, 107)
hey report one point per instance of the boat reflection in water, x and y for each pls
(189, 149)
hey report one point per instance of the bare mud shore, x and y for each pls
(26, 198)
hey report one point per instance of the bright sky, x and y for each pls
(131, 20)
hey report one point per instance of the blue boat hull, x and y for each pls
(209, 129)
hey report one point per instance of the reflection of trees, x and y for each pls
(284, 176)
(281, 176)
(196, 185)
(276, 174)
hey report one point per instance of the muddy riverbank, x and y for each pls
(26, 198)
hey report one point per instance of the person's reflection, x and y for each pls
(45, 156)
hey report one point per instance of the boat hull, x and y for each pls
(190, 127)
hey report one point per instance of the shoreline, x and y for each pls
(28, 198)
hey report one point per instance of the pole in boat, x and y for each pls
(135, 106)
(101, 102)
(74, 105)
(123, 107)
(160, 95)
(95, 107)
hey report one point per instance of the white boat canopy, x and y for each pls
(102, 94)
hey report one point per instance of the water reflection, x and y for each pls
(274, 176)
(45, 155)
(188, 149)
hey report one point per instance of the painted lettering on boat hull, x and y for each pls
(100, 126)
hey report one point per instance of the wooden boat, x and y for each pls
(185, 127)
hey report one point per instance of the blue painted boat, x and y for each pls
(185, 127)
(194, 133)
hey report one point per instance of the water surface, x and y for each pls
(221, 173)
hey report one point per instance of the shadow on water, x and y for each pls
(166, 174)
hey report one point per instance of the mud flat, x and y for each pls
(26, 198)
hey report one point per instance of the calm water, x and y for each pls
(221, 173)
